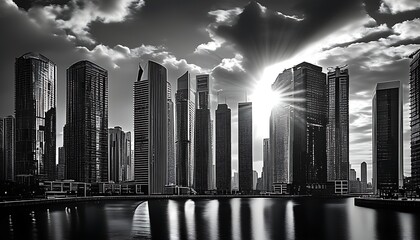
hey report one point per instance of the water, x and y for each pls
(299, 219)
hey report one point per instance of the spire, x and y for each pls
(140, 73)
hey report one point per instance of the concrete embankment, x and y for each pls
(72, 200)
(406, 205)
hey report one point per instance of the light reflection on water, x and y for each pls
(292, 219)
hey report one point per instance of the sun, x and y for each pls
(263, 99)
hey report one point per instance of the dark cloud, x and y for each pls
(265, 37)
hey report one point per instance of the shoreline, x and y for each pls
(70, 200)
(392, 204)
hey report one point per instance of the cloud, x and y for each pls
(76, 16)
(393, 6)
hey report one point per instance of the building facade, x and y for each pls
(223, 149)
(35, 107)
(387, 138)
(267, 169)
(280, 162)
(245, 147)
(61, 166)
(309, 129)
(185, 123)
(415, 116)
(151, 129)
(119, 155)
(86, 129)
(363, 176)
(338, 124)
(171, 139)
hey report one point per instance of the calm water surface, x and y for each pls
(258, 218)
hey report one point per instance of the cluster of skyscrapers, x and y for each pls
(307, 149)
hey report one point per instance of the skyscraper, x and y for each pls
(151, 129)
(119, 149)
(309, 128)
(86, 129)
(352, 176)
(279, 163)
(267, 169)
(171, 139)
(185, 123)
(387, 130)
(245, 147)
(415, 116)
(35, 104)
(2, 160)
(223, 149)
(338, 124)
(203, 163)
(363, 176)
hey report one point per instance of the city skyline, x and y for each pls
(121, 64)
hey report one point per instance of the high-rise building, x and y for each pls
(203, 163)
(86, 129)
(35, 106)
(185, 123)
(61, 166)
(387, 138)
(267, 169)
(338, 124)
(2, 160)
(119, 158)
(245, 146)
(309, 128)
(363, 176)
(279, 163)
(223, 149)
(171, 139)
(235, 181)
(151, 129)
(415, 116)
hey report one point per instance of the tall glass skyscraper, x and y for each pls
(245, 147)
(309, 128)
(185, 123)
(387, 137)
(171, 139)
(223, 149)
(151, 129)
(267, 169)
(415, 116)
(338, 124)
(35, 109)
(279, 163)
(86, 129)
(203, 163)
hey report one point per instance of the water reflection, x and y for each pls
(211, 219)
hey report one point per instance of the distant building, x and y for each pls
(203, 162)
(254, 180)
(363, 176)
(352, 176)
(119, 155)
(245, 147)
(35, 112)
(86, 129)
(338, 124)
(61, 166)
(7, 148)
(387, 138)
(267, 168)
(185, 123)
(223, 149)
(415, 117)
(309, 129)
(235, 182)
(151, 129)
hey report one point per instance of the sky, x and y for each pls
(243, 45)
